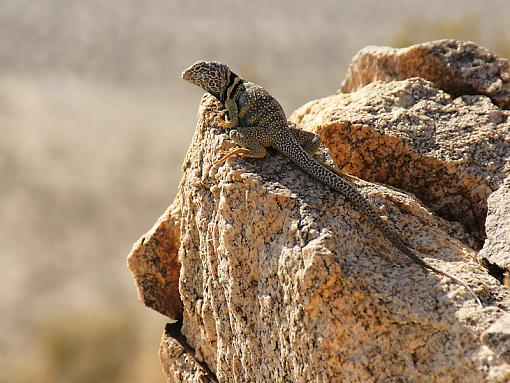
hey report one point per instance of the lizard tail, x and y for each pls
(315, 169)
(399, 244)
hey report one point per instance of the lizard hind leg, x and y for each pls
(311, 143)
(251, 142)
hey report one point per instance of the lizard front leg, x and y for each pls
(252, 141)
(233, 114)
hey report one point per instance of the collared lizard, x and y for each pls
(257, 121)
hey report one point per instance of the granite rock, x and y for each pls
(283, 280)
(273, 277)
(457, 67)
(496, 248)
(178, 361)
(155, 266)
(450, 152)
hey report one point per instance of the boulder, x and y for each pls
(155, 266)
(274, 277)
(282, 279)
(450, 152)
(177, 359)
(496, 249)
(457, 67)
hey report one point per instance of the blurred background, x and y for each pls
(94, 125)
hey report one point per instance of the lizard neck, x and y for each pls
(232, 84)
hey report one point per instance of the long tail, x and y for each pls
(308, 164)
(398, 243)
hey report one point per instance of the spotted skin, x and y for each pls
(257, 121)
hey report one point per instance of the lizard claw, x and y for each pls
(222, 121)
(226, 154)
(226, 123)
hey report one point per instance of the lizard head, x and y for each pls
(211, 76)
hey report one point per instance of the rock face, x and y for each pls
(497, 247)
(276, 278)
(155, 266)
(177, 360)
(457, 67)
(497, 336)
(451, 153)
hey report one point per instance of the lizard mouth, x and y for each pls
(185, 75)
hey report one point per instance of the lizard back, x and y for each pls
(257, 107)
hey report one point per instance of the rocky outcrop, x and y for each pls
(451, 152)
(457, 67)
(177, 359)
(497, 337)
(280, 279)
(496, 248)
(155, 266)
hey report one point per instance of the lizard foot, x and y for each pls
(222, 121)
(241, 152)
(227, 154)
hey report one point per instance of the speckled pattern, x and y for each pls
(209, 76)
(258, 121)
